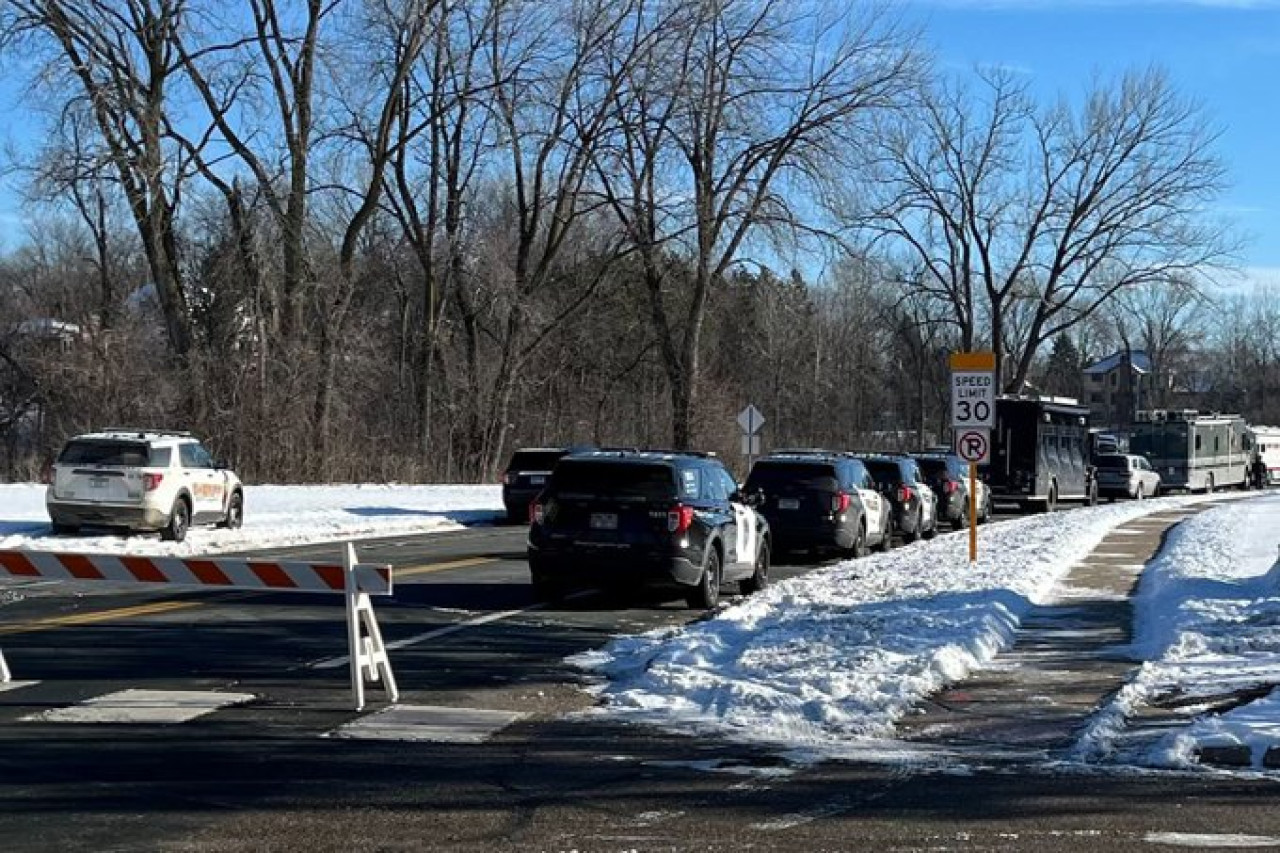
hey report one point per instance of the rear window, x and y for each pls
(883, 471)
(626, 481)
(773, 476)
(123, 453)
(534, 460)
(1112, 463)
(933, 469)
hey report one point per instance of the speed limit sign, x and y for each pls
(973, 390)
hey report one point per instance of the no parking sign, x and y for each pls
(974, 446)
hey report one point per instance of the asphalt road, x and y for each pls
(274, 773)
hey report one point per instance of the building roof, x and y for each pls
(1138, 360)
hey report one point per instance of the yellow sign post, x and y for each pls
(973, 414)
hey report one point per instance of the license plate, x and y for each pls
(537, 481)
(788, 503)
(98, 482)
(604, 521)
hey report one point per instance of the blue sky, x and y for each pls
(1226, 53)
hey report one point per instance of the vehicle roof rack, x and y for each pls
(144, 431)
(803, 451)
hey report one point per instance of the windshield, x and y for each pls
(1112, 462)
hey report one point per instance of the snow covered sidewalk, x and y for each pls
(824, 666)
(1208, 624)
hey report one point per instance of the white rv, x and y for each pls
(1267, 439)
(1194, 451)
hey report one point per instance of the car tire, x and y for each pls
(1139, 493)
(545, 589)
(985, 515)
(235, 513)
(859, 548)
(909, 537)
(175, 529)
(65, 529)
(706, 594)
(886, 541)
(1208, 485)
(760, 577)
(961, 521)
(1051, 502)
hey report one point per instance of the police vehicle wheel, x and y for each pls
(545, 590)
(179, 522)
(235, 513)
(760, 577)
(706, 594)
(911, 536)
(859, 548)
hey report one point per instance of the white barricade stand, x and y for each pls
(369, 661)
(356, 581)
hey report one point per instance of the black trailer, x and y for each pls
(1040, 453)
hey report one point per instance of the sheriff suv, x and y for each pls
(655, 518)
(525, 477)
(822, 500)
(948, 475)
(141, 480)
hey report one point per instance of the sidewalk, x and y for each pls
(1069, 655)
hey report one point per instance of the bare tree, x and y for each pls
(741, 106)
(1038, 217)
(118, 58)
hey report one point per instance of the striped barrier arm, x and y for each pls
(269, 575)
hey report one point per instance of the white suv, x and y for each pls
(141, 480)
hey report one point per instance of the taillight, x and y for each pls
(679, 518)
(839, 501)
(951, 486)
(151, 482)
(905, 494)
(536, 512)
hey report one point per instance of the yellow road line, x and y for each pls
(98, 616)
(398, 572)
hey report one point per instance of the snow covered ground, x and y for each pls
(273, 516)
(822, 665)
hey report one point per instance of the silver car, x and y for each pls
(1125, 475)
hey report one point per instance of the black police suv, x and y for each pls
(948, 475)
(898, 479)
(525, 477)
(819, 500)
(652, 518)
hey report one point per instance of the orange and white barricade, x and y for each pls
(355, 580)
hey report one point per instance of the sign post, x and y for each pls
(973, 415)
(750, 420)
